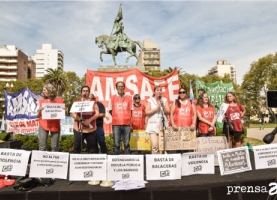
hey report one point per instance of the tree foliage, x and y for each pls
(57, 78)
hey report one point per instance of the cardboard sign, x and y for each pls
(163, 166)
(125, 167)
(13, 162)
(197, 163)
(85, 167)
(212, 145)
(49, 164)
(265, 156)
(82, 106)
(234, 160)
(53, 111)
(183, 139)
(140, 141)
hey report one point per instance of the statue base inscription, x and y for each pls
(120, 68)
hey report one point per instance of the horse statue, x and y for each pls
(126, 45)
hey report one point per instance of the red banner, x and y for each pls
(102, 85)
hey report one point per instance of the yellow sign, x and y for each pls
(140, 141)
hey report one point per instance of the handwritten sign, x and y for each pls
(49, 164)
(84, 167)
(221, 112)
(197, 163)
(140, 141)
(234, 160)
(53, 111)
(163, 166)
(13, 162)
(265, 156)
(82, 106)
(125, 167)
(182, 139)
(212, 145)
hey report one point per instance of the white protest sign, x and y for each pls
(197, 163)
(163, 167)
(86, 167)
(82, 106)
(221, 112)
(53, 111)
(125, 167)
(234, 160)
(13, 162)
(212, 145)
(265, 156)
(49, 164)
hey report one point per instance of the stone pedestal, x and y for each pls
(120, 68)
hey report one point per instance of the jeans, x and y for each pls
(261, 126)
(78, 141)
(124, 132)
(43, 135)
(100, 139)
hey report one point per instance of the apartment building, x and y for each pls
(13, 64)
(222, 67)
(150, 56)
(46, 58)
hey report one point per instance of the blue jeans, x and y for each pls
(124, 132)
(100, 139)
(43, 135)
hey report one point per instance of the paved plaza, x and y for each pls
(259, 134)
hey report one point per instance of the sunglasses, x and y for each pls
(137, 98)
(182, 92)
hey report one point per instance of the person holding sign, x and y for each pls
(120, 108)
(156, 109)
(47, 126)
(183, 112)
(138, 114)
(206, 116)
(234, 113)
(100, 135)
(85, 124)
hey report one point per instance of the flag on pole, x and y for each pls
(3, 124)
(191, 92)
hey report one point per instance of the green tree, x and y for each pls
(261, 77)
(35, 85)
(57, 78)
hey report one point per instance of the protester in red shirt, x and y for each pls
(206, 116)
(47, 126)
(138, 114)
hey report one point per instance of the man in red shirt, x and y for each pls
(120, 107)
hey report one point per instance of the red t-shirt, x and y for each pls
(208, 114)
(52, 125)
(138, 117)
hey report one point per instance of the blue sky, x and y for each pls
(192, 35)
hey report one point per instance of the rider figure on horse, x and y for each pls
(119, 32)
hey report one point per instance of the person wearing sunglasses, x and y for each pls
(138, 114)
(206, 116)
(183, 112)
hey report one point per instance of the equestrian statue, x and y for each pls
(118, 41)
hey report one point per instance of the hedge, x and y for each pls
(30, 142)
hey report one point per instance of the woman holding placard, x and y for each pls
(234, 114)
(47, 126)
(206, 116)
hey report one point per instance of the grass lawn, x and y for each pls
(252, 141)
(265, 125)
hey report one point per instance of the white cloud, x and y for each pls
(190, 34)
